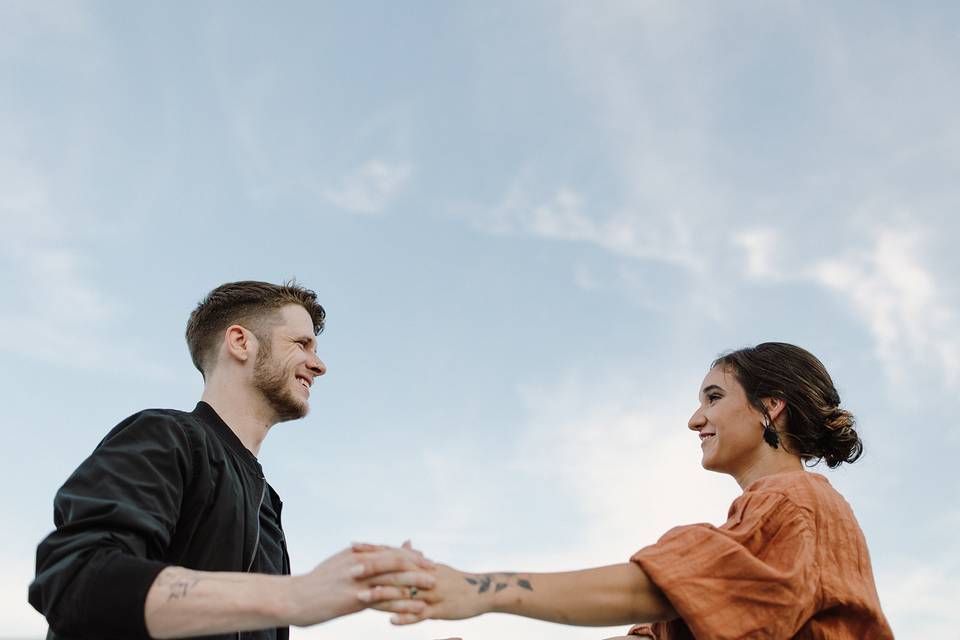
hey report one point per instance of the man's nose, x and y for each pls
(317, 366)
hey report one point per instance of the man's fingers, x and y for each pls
(389, 561)
(414, 607)
(406, 618)
(408, 545)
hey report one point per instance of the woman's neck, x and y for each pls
(769, 463)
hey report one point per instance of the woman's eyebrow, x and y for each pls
(711, 387)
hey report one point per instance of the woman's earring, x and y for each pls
(770, 435)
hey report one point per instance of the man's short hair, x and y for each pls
(248, 303)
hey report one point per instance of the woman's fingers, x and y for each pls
(383, 593)
(417, 579)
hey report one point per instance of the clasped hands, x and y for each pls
(403, 582)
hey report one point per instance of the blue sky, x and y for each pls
(533, 226)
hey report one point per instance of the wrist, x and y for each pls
(508, 593)
(281, 601)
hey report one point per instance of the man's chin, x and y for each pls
(291, 409)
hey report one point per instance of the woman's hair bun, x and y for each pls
(840, 442)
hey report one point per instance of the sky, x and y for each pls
(533, 226)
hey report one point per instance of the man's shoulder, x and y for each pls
(152, 423)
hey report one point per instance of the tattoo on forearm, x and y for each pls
(499, 581)
(180, 588)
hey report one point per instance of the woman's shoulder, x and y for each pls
(807, 491)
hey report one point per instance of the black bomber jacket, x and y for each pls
(164, 487)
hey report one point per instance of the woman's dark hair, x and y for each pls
(816, 427)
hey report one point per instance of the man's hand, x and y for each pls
(377, 573)
(185, 603)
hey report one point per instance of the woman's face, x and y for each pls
(730, 428)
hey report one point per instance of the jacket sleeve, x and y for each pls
(114, 519)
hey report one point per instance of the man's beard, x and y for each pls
(274, 384)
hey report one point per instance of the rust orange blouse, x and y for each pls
(790, 562)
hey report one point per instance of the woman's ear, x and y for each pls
(775, 407)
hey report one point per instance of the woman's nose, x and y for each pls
(696, 421)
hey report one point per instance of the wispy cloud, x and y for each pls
(612, 442)
(919, 592)
(370, 188)
(565, 215)
(900, 299)
(886, 283)
(53, 309)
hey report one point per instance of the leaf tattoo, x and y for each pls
(499, 581)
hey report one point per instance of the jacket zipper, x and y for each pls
(256, 539)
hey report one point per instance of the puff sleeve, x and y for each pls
(755, 576)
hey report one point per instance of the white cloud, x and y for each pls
(565, 216)
(898, 297)
(371, 188)
(761, 247)
(622, 447)
(919, 593)
(885, 281)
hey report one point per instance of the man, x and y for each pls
(169, 528)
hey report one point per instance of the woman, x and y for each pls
(790, 561)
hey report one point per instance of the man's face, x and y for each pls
(287, 363)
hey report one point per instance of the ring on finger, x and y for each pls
(413, 592)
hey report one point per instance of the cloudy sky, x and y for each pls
(533, 226)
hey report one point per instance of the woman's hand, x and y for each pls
(455, 595)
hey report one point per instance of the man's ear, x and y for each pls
(240, 343)
(775, 407)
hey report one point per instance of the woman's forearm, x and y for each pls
(604, 596)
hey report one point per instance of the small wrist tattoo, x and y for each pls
(180, 588)
(499, 582)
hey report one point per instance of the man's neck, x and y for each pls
(247, 418)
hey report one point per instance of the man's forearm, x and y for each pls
(604, 596)
(183, 603)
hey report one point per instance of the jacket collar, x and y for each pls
(207, 414)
